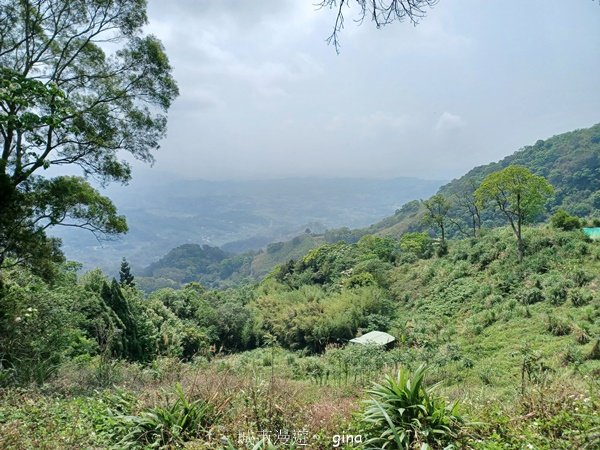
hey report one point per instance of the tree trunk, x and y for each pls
(520, 248)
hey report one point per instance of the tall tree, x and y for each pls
(437, 208)
(466, 201)
(127, 343)
(126, 278)
(518, 194)
(79, 84)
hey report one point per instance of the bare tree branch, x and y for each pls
(382, 12)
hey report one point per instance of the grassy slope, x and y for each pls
(463, 313)
(475, 298)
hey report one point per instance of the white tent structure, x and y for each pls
(374, 337)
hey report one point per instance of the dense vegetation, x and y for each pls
(505, 339)
(216, 268)
(497, 337)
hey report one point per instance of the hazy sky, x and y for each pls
(263, 95)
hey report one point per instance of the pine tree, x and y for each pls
(125, 276)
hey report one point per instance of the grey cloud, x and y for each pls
(262, 95)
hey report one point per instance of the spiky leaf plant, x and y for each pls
(166, 426)
(403, 414)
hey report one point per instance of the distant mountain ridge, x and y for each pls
(163, 213)
(215, 268)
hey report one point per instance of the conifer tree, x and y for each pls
(126, 278)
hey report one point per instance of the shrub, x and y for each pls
(581, 335)
(531, 296)
(581, 277)
(419, 244)
(402, 413)
(580, 297)
(558, 326)
(556, 290)
(564, 221)
(595, 352)
(572, 355)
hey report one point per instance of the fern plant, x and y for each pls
(403, 414)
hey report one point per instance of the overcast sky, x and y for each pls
(263, 95)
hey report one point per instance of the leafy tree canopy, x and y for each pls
(518, 194)
(79, 84)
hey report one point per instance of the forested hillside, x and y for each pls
(251, 311)
(216, 268)
(569, 161)
(505, 321)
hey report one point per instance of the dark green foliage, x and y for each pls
(126, 278)
(126, 342)
(25, 216)
(39, 325)
(56, 86)
(557, 288)
(419, 244)
(186, 262)
(325, 265)
(384, 248)
(343, 234)
(558, 326)
(517, 194)
(161, 426)
(190, 262)
(580, 296)
(595, 352)
(437, 209)
(581, 277)
(564, 221)
(311, 318)
(532, 295)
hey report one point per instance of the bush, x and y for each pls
(581, 277)
(531, 296)
(564, 221)
(419, 244)
(580, 297)
(558, 326)
(402, 414)
(39, 327)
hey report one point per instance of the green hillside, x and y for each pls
(569, 161)
(188, 263)
(281, 252)
(215, 268)
(516, 344)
